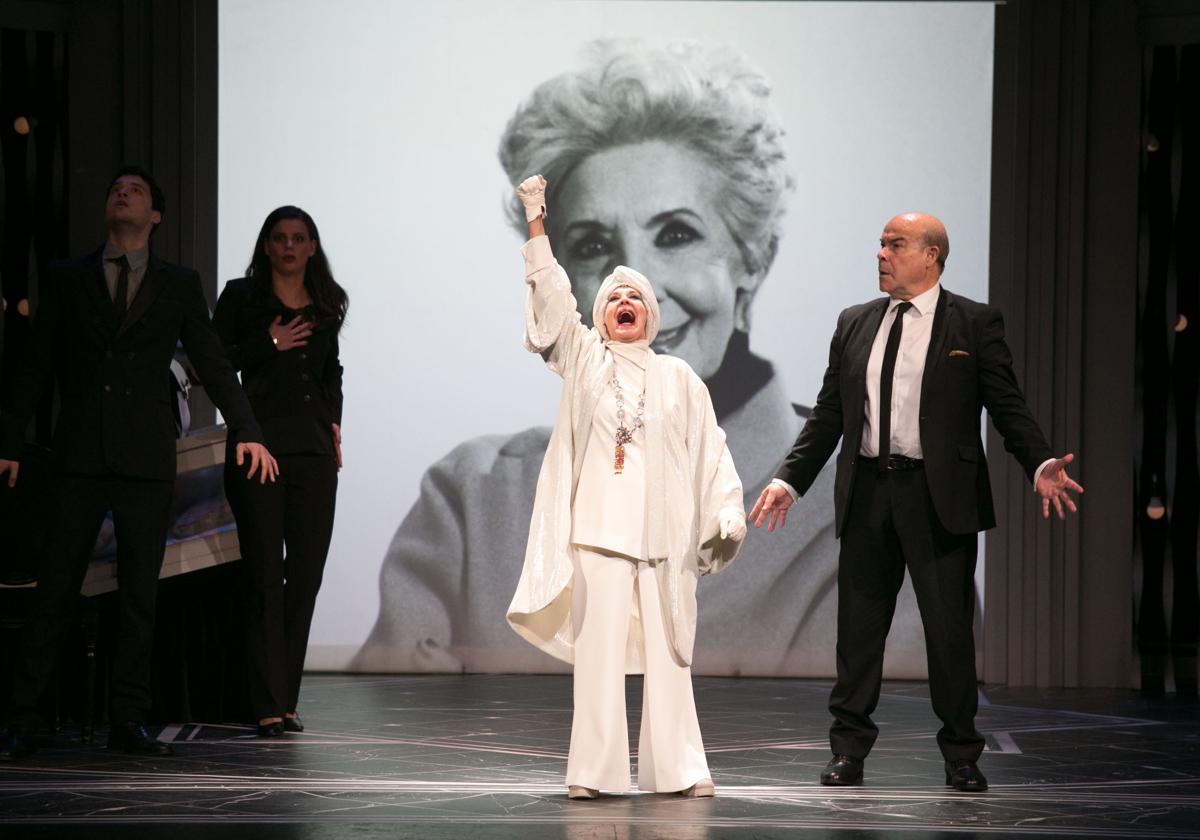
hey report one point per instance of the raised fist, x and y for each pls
(532, 193)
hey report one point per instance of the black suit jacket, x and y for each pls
(296, 394)
(969, 368)
(115, 413)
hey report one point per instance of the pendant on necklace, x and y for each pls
(624, 436)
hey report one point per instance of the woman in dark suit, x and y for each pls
(280, 325)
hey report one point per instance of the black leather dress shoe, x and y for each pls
(270, 730)
(965, 776)
(292, 724)
(843, 770)
(132, 737)
(15, 744)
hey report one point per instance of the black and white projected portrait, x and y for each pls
(744, 156)
(668, 159)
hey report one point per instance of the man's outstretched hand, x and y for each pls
(9, 468)
(772, 505)
(1055, 487)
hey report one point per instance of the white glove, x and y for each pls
(532, 193)
(733, 524)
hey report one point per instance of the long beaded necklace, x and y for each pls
(624, 433)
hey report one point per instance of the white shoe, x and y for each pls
(581, 792)
(704, 787)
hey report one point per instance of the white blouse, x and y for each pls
(610, 509)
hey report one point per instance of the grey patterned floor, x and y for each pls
(484, 756)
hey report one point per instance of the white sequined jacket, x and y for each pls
(690, 476)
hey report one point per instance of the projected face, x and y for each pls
(289, 246)
(653, 207)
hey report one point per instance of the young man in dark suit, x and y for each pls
(908, 376)
(106, 329)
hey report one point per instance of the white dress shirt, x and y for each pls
(910, 371)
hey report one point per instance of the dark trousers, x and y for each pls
(140, 511)
(892, 526)
(284, 529)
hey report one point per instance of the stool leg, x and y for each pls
(55, 699)
(89, 704)
(91, 625)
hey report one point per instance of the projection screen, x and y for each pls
(384, 120)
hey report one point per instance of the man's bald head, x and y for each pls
(932, 232)
(912, 254)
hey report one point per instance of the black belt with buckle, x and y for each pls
(896, 462)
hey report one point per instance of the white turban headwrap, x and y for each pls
(625, 276)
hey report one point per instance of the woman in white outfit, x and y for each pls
(637, 497)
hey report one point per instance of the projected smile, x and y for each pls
(669, 339)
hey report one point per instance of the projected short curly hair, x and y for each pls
(708, 99)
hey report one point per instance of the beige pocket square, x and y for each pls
(954, 353)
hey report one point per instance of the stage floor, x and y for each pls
(484, 756)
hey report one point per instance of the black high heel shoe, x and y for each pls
(292, 724)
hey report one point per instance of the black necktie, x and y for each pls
(886, 375)
(121, 300)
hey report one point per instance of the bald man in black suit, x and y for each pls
(908, 376)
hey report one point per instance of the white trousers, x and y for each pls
(606, 591)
